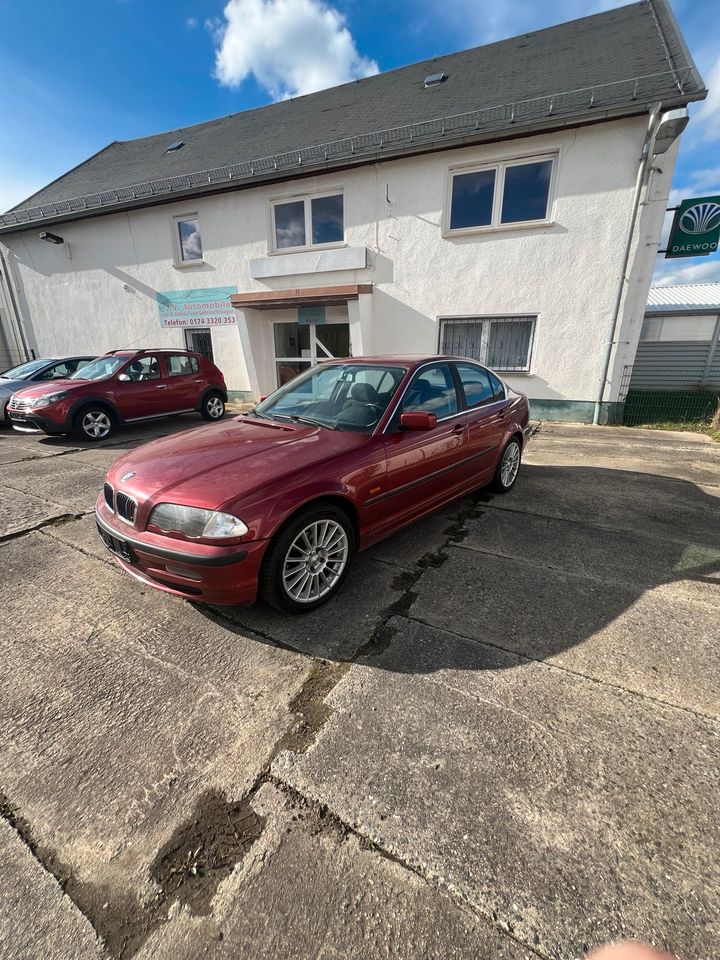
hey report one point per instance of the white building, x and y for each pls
(477, 204)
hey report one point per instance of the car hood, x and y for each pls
(43, 389)
(211, 466)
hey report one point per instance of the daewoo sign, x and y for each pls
(695, 229)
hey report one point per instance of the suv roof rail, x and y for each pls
(128, 350)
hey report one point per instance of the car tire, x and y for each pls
(294, 576)
(508, 467)
(213, 406)
(94, 423)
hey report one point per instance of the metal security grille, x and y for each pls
(503, 343)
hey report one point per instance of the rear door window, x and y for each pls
(181, 365)
(476, 385)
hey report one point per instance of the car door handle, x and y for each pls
(459, 428)
(161, 386)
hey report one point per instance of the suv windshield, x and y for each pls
(100, 369)
(24, 370)
(343, 396)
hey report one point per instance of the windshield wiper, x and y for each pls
(256, 413)
(315, 423)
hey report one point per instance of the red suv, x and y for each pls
(121, 387)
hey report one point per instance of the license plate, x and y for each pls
(121, 548)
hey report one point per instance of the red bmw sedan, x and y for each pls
(277, 502)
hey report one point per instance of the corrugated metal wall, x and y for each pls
(674, 365)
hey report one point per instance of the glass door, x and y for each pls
(302, 345)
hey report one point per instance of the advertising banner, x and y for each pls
(202, 307)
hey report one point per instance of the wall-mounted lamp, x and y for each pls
(672, 123)
(51, 237)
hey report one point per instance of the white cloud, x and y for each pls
(191, 23)
(487, 22)
(707, 116)
(291, 47)
(670, 272)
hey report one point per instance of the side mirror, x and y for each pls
(124, 378)
(418, 421)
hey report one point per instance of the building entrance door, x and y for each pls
(199, 340)
(302, 345)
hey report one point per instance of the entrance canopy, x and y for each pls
(297, 297)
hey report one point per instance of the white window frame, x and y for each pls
(487, 320)
(176, 245)
(500, 166)
(307, 199)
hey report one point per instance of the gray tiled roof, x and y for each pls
(610, 64)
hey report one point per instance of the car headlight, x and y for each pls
(196, 522)
(49, 398)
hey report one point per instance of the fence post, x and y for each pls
(712, 351)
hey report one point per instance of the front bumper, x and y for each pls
(31, 422)
(229, 577)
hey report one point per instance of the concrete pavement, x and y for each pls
(500, 740)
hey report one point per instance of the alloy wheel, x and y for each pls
(315, 561)
(215, 408)
(96, 424)
(510, 464)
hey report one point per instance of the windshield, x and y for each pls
(343, 396)
(24, 370)
(101, 368)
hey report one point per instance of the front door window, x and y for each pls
(299, 346)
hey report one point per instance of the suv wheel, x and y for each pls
(307, 563)
(213, 407)
(94, 423)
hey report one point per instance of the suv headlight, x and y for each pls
(49, 398)
(196, 522)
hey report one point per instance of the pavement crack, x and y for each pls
(331, 821)
(58, 521)
(187, 869)
(705, 717)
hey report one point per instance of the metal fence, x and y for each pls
(673, 381)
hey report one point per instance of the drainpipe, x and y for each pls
(644, 158)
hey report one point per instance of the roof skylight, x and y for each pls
(433, 79)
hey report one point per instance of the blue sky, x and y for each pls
(75, 76)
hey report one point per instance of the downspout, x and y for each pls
(644, 158)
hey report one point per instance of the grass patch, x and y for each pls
(685, 426)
